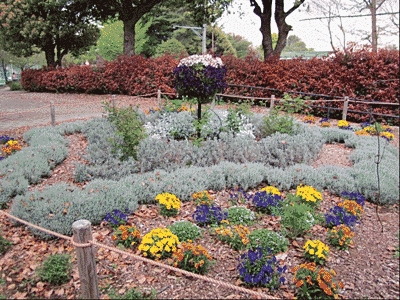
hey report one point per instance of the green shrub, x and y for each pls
(56, 269)
(240, 215)
(132, 294)
(4, 245)
(15, 86)
(267, 239)
(297, 218)
(185, 230)
(129, 128)
(291, 105)
(275, 123)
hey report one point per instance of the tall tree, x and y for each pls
(294, 43)
(265, 15)
(55, 27)
(372, 6)
(241, 45)
(130, 12)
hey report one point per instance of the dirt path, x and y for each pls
(20, 108)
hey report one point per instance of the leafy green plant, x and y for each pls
(192, 258)
(15, 86)
(297, 218)
(267, 239)
(240, 215)
(56, 269)
(185, 230)
(129, 128)
(235, 116)
(236, 236)
(132, 294)
(291, 105)
(4, 245)
(276, 123)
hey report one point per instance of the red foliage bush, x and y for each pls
(357, 74)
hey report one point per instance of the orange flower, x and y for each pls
(299, 283)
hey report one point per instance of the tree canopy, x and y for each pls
(54, 27)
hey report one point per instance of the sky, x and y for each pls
(314, 33)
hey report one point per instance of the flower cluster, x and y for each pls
(341, 237)
(159, 243)
(352, 207)
(260, 269)
(200, 76)
(383, 130)
(205, 60)
(324, 122)
(169, 204)
(4, 139)
(264, 201)
(127, 236)
(192, 258)
(313, 282)
(338, 215)
(271, 190)
(309, 119)
(343, 124)
(208, 214)
(116, 218)
(358, 197)
(202, 198)
(316, 251)
(152, 110)
(236, 236)
(10, 147)
(308, 194)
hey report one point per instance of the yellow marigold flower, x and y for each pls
(388, 135)
(308, 193)
(271, 190)
(343, 123)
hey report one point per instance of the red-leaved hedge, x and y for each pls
(358, 74)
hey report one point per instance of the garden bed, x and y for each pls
(367, 269)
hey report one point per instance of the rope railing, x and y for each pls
(89, 243)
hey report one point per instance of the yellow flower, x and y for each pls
(271, 190)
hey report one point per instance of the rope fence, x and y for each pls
(83, 241)
(272, 100)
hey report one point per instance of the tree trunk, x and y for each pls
(129, 36)
(374, 34)
(50, 55)
(265, 29)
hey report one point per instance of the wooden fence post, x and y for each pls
(114, 102)
(82, 234)
(159, 98)
(345, 107)
(52, 113)
(271, 107)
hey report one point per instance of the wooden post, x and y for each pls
(271, 107)
(114, 102)
(345, 107)
(82, 234)
(52, 113)
(159, 98)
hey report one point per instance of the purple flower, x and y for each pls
(206, 214)
(365, 124)
(338, 215)
(116, 218)
(264, 201)
(358, 197)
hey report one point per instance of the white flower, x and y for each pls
(206, 60)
